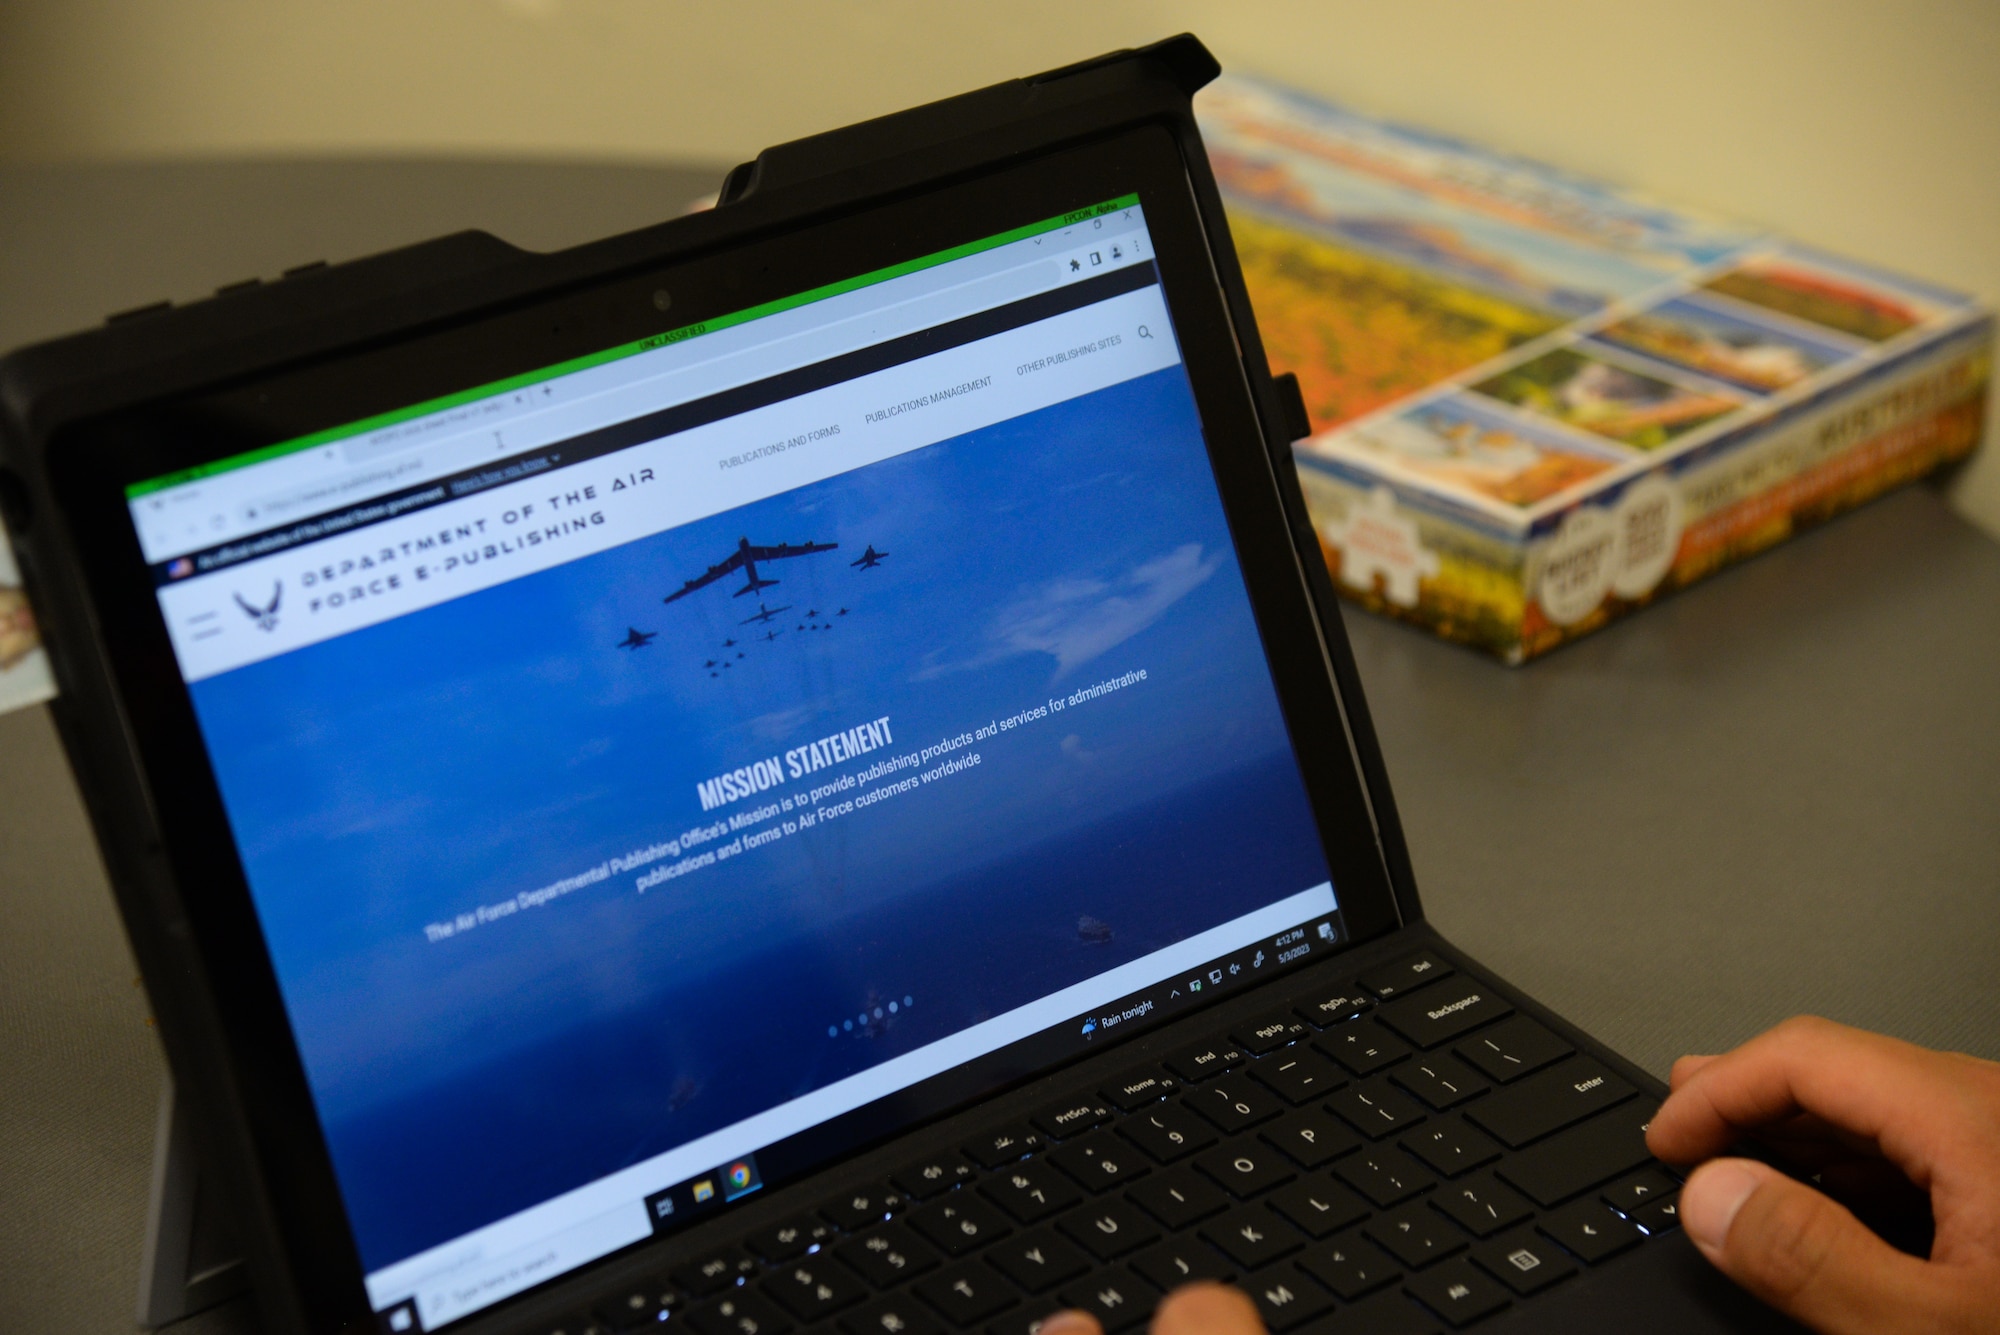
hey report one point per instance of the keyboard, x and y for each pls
(1399, 1153)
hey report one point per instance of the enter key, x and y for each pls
(1564, 1094)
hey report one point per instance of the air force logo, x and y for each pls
(266, 616)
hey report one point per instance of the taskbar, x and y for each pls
(677, 1206)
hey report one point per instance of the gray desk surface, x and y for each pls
(1776, 793)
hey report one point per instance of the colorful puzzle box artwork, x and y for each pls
(1539, 402)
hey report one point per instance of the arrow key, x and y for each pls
(1591, 1230)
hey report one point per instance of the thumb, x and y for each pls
(1797, 1250)
(1206, 1309)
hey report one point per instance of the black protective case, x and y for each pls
(161, 351)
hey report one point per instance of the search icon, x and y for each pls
(1145, 332)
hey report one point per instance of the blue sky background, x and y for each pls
(408, 772)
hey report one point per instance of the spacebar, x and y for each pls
(1583, 1156)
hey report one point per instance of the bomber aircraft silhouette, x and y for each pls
(636, 638)
(745, 558)
(870, 558)
(765, 613)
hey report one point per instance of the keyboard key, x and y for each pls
(1109, 1229)
(1030, 1191)
(1310, 1138)
(1392, 980)
(739, 1314)
(1512, 1049)
(1182, 1261)
(1298, 1075)
(1118, 1299)
(1391, 1313)
(1385, 1176)
(1100, 1161)
(1319, 1207)
(1268, 1033)
(812, 1288)
(1659, 1216)
(934, 1176)
(642, 1305)
(1363, 1047)
(1441, 1014)
(1246, 1170)
(1350, 1265)
(1137, 1089)
(1038, 1260)
(1458, 1293)
(1376, 1110)
(1416, 1236)
(1590, 1230)
(900, 1315)
(1642, 1188)
(958, 1223)
(1481, 1205)
(1199, 1061)
(577, 1323)
(716, 1271)
(1285, 1298)
(1072, 1117)
(1524, 1261)
(1234, 1104)
(857, 1209)
(1558, 1097)
(1178, 1198)
(1335, 1007)
(1028, 1319)
(1607, 1146)
(1451, 1147)
(1004, 1145)
(887, 1256)
(1253, 1237)
(794, 1237)
(1167, 1133)
(967, 1293)
(1442, 1082)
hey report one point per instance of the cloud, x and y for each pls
(1076, 620)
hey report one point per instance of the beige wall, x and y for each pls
(1869, 127)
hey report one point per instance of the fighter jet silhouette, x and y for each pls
(870, 558)
(745, 558)
(772, 634)
(765, 613)
(636, 638)
(729, 644)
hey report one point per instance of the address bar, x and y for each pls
(494, 436)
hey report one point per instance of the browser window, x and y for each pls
(642, 763)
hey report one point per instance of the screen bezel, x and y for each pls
(94, 459)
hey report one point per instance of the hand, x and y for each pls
(1194, 1309)
(1902, 1134)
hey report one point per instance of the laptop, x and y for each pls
(795, 771)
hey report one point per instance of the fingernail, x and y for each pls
(1712, 1197)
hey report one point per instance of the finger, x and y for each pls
(1798, 1251)
(1207, 1309)
(1069, 1323)
(1863, 1084)
(1685, 1067)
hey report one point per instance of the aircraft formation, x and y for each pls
(746, 559)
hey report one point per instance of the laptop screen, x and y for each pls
(642, 765)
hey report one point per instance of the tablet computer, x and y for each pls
(788, 771)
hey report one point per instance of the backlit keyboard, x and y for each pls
(1403, 1153)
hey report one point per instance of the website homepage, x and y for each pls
(787, 721)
